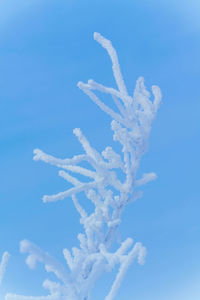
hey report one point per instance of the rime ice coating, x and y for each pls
(131, 125)
(3, 264)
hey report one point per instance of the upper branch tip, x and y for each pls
(37, 153)
(156, 90)
(79, 84)
(77, 131)
(24, 244)
(96, 35)
(140, 79)
(6, 255)
(45, 199)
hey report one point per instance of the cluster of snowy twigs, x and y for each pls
(104, 187)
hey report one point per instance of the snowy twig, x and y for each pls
(3, 264)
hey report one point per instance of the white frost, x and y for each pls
(3, 264)
(110, 194)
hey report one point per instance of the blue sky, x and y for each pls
(46, 48)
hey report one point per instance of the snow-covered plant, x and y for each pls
(109, 192)
(3, 264)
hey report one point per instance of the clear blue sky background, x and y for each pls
(46, 47)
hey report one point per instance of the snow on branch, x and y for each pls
(3, 264)
(113, 55)
(138, 250)
(110, 193)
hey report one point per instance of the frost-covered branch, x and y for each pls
(103, 185)
(3, 264)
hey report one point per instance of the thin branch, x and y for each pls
(113, 55)
(3, 264)
(86, 89)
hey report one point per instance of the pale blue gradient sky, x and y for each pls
(46, 48)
